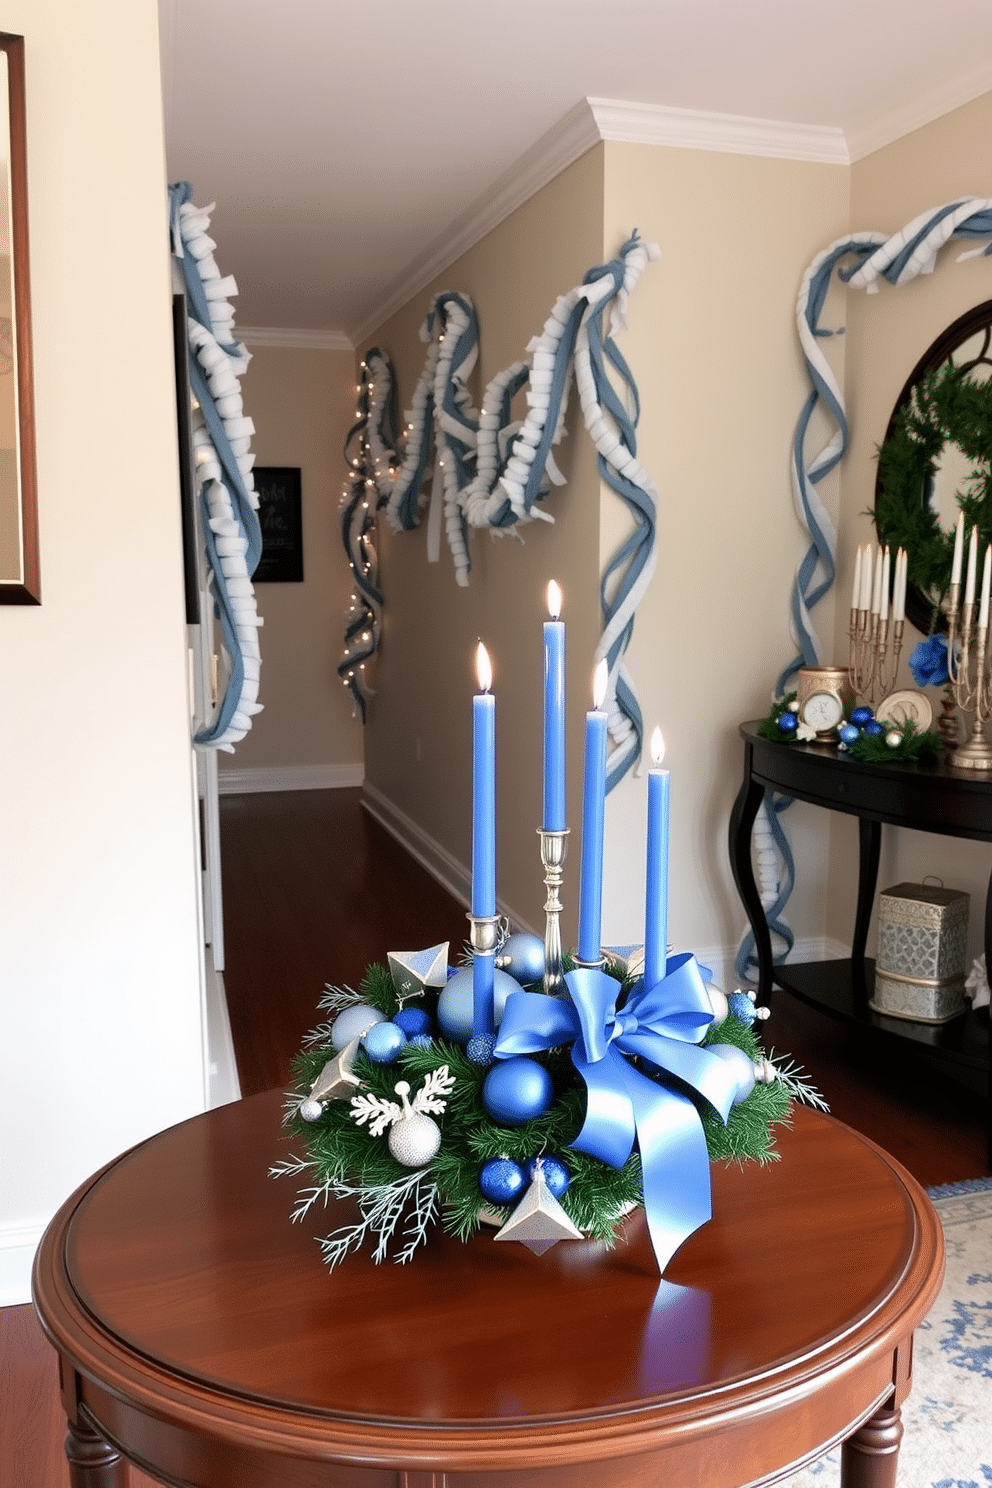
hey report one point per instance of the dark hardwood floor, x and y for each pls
(314, 890)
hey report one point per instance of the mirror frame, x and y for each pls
(26, 589)
(921, 609)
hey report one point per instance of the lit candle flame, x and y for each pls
(657, 747)
(601, 677)
(554, 599)
(483, 668)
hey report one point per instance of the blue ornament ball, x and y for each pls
(454, 1006)
(516, 1090)
(874, 727)
(480, 1049)
(848, 732)
(353, 1022)
(412, 1020)
(383, 1042)
(501, 1180)
(742, 1065)
(742, 1008)
(787, 722)
(522, 957)
(556, 1175)
(861, 715)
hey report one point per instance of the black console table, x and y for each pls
(928, 799)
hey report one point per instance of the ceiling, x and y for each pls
(353, 149)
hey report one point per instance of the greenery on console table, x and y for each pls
(915, 744)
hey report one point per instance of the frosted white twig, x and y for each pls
(793, 1078)
(382, 1206)
(336, 999)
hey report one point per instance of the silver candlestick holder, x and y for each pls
(969, 677)
(871, 667)
(554, 846)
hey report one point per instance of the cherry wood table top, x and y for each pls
(201, 1334)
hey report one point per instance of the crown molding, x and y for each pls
(293, 338)
(874, 133)
(571, 137)
(730, 134)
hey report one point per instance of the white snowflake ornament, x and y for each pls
(413, 1137)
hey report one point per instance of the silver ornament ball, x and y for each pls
(893, 738)
(414, 1140)
(353, 1023)
(311, 1110)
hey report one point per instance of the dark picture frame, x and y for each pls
(280, 514)
(20, 563)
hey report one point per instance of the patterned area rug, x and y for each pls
(948, 1417)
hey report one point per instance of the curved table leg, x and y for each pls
(93, 1463)
(870, 848)
(870, 1457)
(749, 799)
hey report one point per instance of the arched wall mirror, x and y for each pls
(936, 459)
(19, 561)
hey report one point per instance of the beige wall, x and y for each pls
(302, 404)
(887, 333)
(418, 750)
(99, 944)
(713, 348)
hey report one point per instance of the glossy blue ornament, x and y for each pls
(787, 722)
(861, 715)
(516, 1090)
(412, 1020)
(556, 1175)
(454, 1006)
(742, 1064)
(383, 1042)
(848, 732)
(522, 957)
(501, 1181)
(874, 727)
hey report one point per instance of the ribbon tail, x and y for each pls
(675, 1164)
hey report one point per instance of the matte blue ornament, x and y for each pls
(516, 1090)
(742, 1008)
(874, 727)
(848, 732)
(742, 1064)
(454, 1006)
(501, 1181)
(383, 1042)
(412, 1021)
(787, 722)
(522, 957)
(861, 715)
(556, 1175)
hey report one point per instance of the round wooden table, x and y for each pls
(201, 1337)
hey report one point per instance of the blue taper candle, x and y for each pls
(656, 894)
(483, 838)
(593, 813)
(553, 814)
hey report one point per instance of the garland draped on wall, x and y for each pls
(871, 256)
(228, 504)
(490, 471)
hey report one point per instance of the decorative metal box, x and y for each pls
(919, 971)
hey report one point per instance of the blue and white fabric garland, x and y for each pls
(228, 504)
(867, 258)
(490, 471)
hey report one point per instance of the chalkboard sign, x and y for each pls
(281, 517)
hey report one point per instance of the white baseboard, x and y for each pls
(18, 1244)
(290, 778)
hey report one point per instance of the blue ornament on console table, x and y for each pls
(556, 1175)
(517, 1090)
(861, 715)
(522, 957)
(454, 1006)
(874, 727)
(848, 732)
(787, 722)
(412, 1021)
(501, 1180)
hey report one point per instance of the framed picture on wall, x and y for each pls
(280, 512)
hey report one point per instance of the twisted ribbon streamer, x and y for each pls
(898, 258)
(229, 524)
(492, 471)
(662, 1025)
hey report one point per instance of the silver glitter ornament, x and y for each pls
(539, 1221)
(414, 1139)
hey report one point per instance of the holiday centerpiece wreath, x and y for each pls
(392, 1112)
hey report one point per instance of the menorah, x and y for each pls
(872, 666)
(967, 648)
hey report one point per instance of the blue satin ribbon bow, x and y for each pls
(662, 1024)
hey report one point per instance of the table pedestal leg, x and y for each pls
(869, 1458)
(93, 1463)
